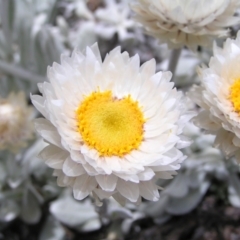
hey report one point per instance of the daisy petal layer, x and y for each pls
(127, 173)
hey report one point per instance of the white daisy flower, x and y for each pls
(219, 96)
(186, 22)
(113, 128)
(16, 127)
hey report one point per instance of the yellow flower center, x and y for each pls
(235, 95)
(114, 127)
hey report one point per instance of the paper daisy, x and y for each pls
(219, 97)
(186, 23)
(113, 128)
(16, 127)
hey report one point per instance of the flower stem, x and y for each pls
(173, 61)
(20, 72)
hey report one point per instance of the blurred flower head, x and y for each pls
(219, 97)
(113, 127)
(15, 122)
(114, 18)
(186, 23)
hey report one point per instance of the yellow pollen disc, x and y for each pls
(235, 95)
(114, 127)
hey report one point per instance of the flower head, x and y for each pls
(219, 97)
(113, 127)
(15, 122)
(120, 24)
(186, 22)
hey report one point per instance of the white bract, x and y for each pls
(219, 97)
(112, 126)
(16, 127)
(186, 22)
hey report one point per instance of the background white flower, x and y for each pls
(219, 97)
(16, 127)
(121, 23)
(113, 127)
(190, 23)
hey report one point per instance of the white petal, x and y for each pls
(72, 169)
(77, 156)
(114, 163)
(38, 102)
(148, 174)
(83, 186)
(107, 182)
(48, 131)
(103, 194)
(128, 190)
(91, 170)
(53, 156)
(149, 190)
(119, 198)
(128, 177)
(165, 175)
(64, 181)
(148, 68)
(96, 52)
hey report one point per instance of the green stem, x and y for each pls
(173, 61)
(16, 71)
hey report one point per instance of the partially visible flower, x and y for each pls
(219, 97)
(186, 23)
(115, 18)
(16, 127)
(113, 128)
(184, 193)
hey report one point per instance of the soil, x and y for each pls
(213, 219)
